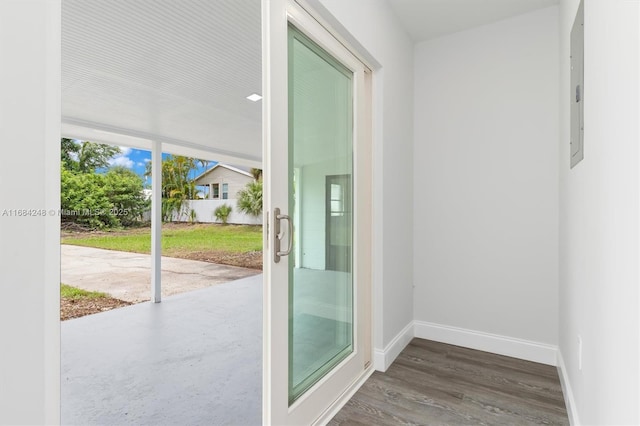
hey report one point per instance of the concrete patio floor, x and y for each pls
(194, 359)
(127, 276)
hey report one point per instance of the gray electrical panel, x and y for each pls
(576, 92)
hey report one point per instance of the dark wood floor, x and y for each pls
(434, 383)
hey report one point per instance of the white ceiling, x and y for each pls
(427, 19)
(179, 71)
(173, 71)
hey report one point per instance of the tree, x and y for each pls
(250, 198)
(203, 163)
(97, 200)
(94, 156)
(124, 189)
(83, 200)
(69, 153)
(256, 173)
(177, 186)
(85, 156)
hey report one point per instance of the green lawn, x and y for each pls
(178, 239)
(68, 292)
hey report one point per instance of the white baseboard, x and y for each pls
(343, 399)
(382, 359)
(567, 392)
(502, 345)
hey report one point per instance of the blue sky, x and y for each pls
(136, 160)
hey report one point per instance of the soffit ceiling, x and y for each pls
(173, 71)
(179, 71)
(427, 19)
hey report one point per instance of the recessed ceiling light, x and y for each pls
(254, 97)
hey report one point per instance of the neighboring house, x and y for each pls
(222, 182)
(218, 186)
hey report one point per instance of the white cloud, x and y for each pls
(146, 160)
(140, 163)
(122, 160)
(124, 150)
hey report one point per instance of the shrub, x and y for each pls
(250, 198)
(193, 216)
(83, 200)
(97, 200)
(222, 213)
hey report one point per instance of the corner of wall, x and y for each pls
(567, 392)
(486, 207)
(383, 358)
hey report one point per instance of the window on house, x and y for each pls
(216, 190)
(225, 191)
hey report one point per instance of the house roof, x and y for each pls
(226, 166)
(161, 70)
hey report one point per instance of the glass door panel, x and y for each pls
(321, 208)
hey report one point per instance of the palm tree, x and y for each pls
(250, 198)
(256, 173)
(177, 186)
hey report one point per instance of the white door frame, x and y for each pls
(327, 396)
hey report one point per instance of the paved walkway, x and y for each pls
(127, 276)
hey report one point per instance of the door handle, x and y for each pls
(279, 234)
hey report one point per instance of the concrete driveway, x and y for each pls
(127, 276)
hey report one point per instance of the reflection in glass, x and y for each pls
(320, 188)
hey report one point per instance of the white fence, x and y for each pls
(204, 212)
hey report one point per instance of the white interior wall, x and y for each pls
(375, 28)
(486, 183)
(599, 214)
(30, 245)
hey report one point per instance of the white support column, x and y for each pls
(156, 221)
